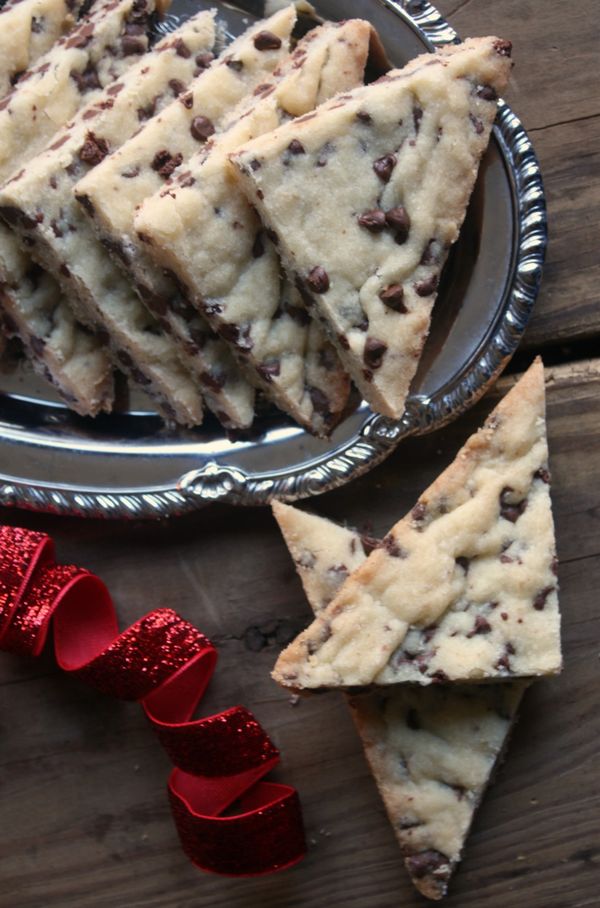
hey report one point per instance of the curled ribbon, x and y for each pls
(165, 663)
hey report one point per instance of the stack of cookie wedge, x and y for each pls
(461, 591)
(216, 221)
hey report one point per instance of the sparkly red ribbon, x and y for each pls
(166, 664)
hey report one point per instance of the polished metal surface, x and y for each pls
(129, 464)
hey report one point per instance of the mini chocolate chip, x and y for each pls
(487, 93)
(540, 600)
(181, 49)
(393, 297)
(428, 863)
(93, 150)
(542, 474)
(266, 40)
(417, 116)
(343, 341)
(318, 279)
(204, 60)
(202, 129)
(87, 80)
(187, 100)
(397, 218)
(269, 370)
(213, 380)
(503, 47)
(296, 147)
(384, 166)
(481, 626)
(392, 548)
(428, 286)
(412, 719)
(363, 117)
(511, 510)
(419, 512)
(81, 36)
(144, 113)
(374, 352)
(477, 124)
(17, 218)
(320, 402)
(176, 86)
(439, 676)
(132, 45)
(165, 163)
(373, 220)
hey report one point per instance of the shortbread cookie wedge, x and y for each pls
(39, 204)
(73, 72)
(61, 350)
(464, 587)
(203, 229)
(29, 28)
(96, 53)
(112, 190)
(367, 195)
(432, 750)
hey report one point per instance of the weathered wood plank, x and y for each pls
(554, 90)
(555, 47)
(84, 815)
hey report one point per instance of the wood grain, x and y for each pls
(84, 815)
(554, 90)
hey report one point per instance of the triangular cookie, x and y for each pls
(367, 195)
(464, 587)
(432, 750)
(202, 228)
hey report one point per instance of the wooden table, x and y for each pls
(84, 817)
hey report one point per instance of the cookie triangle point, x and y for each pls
(464, 587)
(432, 750)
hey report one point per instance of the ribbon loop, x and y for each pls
(166, 663)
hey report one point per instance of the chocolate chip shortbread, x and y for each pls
(29, 28)
(366, 196)
(39, 203)
(202, 228)
(102, 47)
(112, 190)
(432, 750)
(73, 72)
(464, 587)
(71, 358)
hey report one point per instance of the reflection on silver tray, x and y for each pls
(129, 464)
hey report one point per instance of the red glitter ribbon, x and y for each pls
(228, 820)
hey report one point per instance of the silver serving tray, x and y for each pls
(129, 464)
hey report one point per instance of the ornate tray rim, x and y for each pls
(378, 435)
